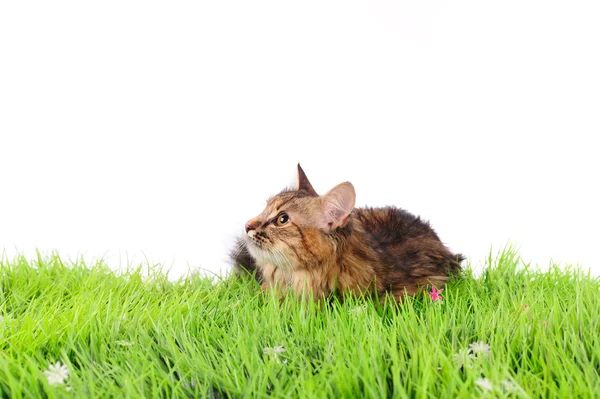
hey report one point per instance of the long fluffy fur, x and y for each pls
(377, 251)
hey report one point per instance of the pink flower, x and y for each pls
(435, 294)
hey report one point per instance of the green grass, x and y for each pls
(192, 338)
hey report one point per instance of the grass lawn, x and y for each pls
(511, 332)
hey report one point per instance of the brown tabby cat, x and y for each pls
(322, 244)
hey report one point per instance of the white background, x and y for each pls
(151, 131)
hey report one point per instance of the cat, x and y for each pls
(323, 245)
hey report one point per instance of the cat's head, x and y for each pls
(293, 228)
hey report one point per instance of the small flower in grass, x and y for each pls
(358, 309)
(463, 357)
(509, 386)
(274, 351)
(124, 343)
(56, 374)
(524, 310)
(480, 348)
(484, 384)
(436, 295)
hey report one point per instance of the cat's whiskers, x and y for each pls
(275, 258)
(284, 258)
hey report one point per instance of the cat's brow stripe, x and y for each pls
(283, 203)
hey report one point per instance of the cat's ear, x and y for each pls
(303, 183)
(337, 205)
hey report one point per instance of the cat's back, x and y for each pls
(408, 247)
(391, 225)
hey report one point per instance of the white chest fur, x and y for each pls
(298, 280)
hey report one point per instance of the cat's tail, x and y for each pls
(243, 263)
(454, 264)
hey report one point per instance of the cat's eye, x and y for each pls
(282, 219)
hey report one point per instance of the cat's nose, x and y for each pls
(252, 225)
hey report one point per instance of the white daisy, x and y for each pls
(463, 357)
(358, 309)
(273, 351)
(56, 374)
(509, 386)
(484, 384)
(480, 348)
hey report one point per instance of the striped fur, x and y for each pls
(325, 245)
